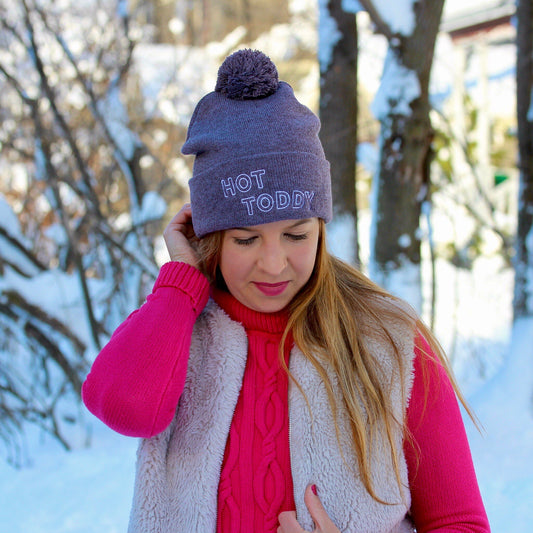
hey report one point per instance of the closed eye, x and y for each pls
(296, 236)
(244, 242)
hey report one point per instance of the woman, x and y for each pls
(276, 388)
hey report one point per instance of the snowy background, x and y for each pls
(89, 489)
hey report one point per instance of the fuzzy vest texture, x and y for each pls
(178, 470)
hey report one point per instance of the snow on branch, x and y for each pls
(379, 22)
(79, 215)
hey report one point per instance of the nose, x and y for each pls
(272, 258)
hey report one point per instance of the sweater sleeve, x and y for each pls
(137, 379)
(445, 495)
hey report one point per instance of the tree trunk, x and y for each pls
(402, 182)
(338, 114)
(523, 292)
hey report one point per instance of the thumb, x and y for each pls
(316, 509)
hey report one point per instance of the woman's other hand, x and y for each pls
(181, 241)
(323, 524)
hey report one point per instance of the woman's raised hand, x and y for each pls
(323, 523)
(181, 241)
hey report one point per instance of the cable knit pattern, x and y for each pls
(229, 514)
(257, 487)
(270, 416)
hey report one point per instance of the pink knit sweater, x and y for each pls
(136, 381)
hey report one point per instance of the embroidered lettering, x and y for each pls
(283, 199)
(258, 175)
(248, 202)
(265, 202)
(243, 182)
(298, 199)
(228, 187)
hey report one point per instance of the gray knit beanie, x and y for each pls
(258, 156)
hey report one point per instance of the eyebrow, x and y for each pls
(300, 222)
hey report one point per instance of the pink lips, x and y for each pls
(272, 289)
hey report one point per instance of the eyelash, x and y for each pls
(244, 242)
(291, 236)
(296, 236)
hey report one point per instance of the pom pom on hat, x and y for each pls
(258, 155)
(247, 74)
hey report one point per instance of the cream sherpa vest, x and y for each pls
(178, 470)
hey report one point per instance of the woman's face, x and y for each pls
(265, 266)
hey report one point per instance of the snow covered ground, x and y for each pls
(89, 490)
(503, 454)
(86, 491)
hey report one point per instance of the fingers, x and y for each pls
(182, 221)
(183, 215)
(288, 523)
(323, 523)
(315, 507)
(180, 238)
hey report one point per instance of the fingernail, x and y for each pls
(313, 488)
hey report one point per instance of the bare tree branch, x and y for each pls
(62, 216)
(70, 169)
(118, 152)
(381, 26)
(62, 123)
(489, 222)
(21, 248)
(17, 300)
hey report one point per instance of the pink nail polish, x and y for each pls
(313, 488)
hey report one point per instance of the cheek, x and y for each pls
(233, 265)
(304, 261)
(227, 268)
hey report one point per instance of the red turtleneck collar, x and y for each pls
(250, 319)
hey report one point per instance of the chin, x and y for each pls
(269, 306)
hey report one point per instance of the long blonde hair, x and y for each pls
(326, 319)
